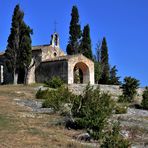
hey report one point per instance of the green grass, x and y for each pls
(8, 124)
(4, 122)
(35, 131)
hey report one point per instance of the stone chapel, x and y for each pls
(48, 61)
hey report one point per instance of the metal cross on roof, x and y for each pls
(55, 26)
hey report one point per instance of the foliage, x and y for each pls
(120, 108)
(18, 51)
(92, 111)
(104, 63)
(144, 102)
(85, 46)
(57, 98)
(113, 139)
(98, 70)
(114, 79)
(25, 53)
(75, 32)
(129, 87)
(97, 64)
(13, 40)
(54, 82)
(42, 94)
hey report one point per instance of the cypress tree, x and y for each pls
(85, 47)
(13, 43)
(75, 32)
(25, 48)
(19, 44)
(104, 63)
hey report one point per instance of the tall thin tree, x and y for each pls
(97, 63)
(25, 49)
(85, 46)
(17, 43)
(75, 32)
(104, 63)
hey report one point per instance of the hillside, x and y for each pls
(24, 124)
(21, 127)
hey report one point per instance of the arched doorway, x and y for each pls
(81, 73)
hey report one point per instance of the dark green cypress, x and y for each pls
(85, 47)
(104, 63)
(75, 32)
(19, 44)
(25, 48)
(12, 49)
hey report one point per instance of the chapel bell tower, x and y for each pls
(55, 40)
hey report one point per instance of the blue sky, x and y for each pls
(124, 23)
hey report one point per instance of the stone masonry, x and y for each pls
(49, 60)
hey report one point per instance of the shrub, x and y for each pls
(120, 109)
(129, 89)
(113, 139)
(56, 99)
(144, 102)
(41, 94)
(54, 82)
(92, 111)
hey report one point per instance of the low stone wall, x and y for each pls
(114, 90)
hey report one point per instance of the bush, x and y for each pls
(56, 99)
(54, 82)
(144, 102)
(92, 111)
(41, 94)
(129, 89)
(120, 109)
(113, 139)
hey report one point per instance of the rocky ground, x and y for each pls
(135, 127)
(24, 123)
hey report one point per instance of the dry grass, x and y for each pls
(20, 128)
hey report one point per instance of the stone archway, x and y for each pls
(81, 73)
(85, 66)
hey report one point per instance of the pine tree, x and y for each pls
(19, 44)
(113, 76)
(75, 32)
(104, 63)
(85, 47)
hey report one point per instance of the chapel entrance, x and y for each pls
(81, 73)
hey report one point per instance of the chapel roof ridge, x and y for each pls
(65, 57)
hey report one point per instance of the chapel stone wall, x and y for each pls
(46, 70)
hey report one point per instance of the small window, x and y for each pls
(55, 54)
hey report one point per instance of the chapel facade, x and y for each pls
(49, 60)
